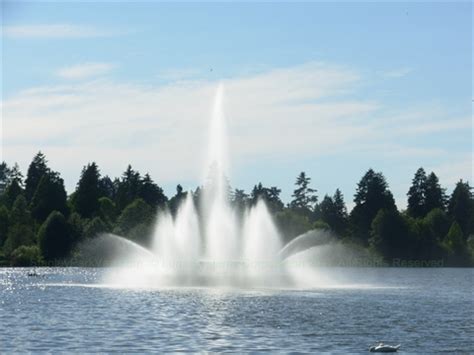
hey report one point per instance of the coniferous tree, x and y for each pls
(50, 195)
(271, 196)
(136, 214)
(151, 193)
(86, 198)
(54, 237)
(456, 246)
(435, 194)
(5, 175)
(38, 167)
(20, 229)
(107, 187)
(4, 223)
(371, 196)
(417, 195)
(177, 199)
(304, 197)
(391, 235)
(12, 192)
(333, 211)
(240, 200)
(128, 188)
(461, 206)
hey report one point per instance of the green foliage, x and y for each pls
(271, 196)
(437, 223)
(319, 224)
(151, 193)
(176, 200)
(128, 188)
(417, 195)
(461, 207)
(4, 223)
(240, 201)
(18, 234)
(95, 227)
(291, 224)
(54, 237)
(333, 211)
(138, 212)
(107, 210)
(50, 195)
(456, 246)
(371, 196)
(107, 187)
(76, 227)
(5, 176)
(20, 228)
(12, 191)
(128, 206)
(304, 197)
(391, 235)
(38, 167)
(435, 194)
(26, 256)
(88, 192)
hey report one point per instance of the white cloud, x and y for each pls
(85, 70)
(53, 31)
(303, 111)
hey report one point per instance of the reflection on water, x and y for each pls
(427, 310)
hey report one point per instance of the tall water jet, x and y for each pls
(221, 228)
(217, 245)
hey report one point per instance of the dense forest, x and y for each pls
(40, 224)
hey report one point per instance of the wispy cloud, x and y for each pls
(300, 112)
(54, 31)
(85, 70)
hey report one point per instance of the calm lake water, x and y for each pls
(426, 310)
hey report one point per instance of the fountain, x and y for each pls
(216, 246)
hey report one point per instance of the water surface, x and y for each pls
(70, 309)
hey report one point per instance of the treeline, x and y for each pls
(41, 224)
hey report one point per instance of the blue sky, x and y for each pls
(329, 88)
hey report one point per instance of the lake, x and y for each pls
(69, 309)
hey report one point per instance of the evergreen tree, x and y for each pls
(176, 200)
(151, 193)
(4, 223)
(135, 214)
(461, 206)
(437, 223)
(16, 175)
(20, 229)
(391, 235)
(12, 192)
(108, 210)
(333, 211)
(371, 196)
(54, 237)
(435, 194)
(38, 167)
(240, 200)
(95, 227)
(417, 195)
(456, 246)
(50, 195)
(4, 176)
(88, 192)
(271, 196)
(107, 187)
(304, 197)
(127, 188)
